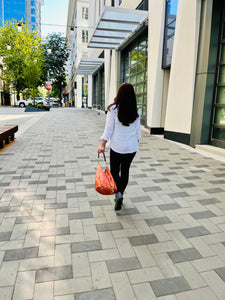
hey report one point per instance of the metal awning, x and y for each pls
(88, 66)
(115, 25)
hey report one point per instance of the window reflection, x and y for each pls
(171, 13)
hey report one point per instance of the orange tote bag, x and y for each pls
(104, 182)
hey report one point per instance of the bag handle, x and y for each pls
(104, 159)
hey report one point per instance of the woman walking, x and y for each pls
(122, 131)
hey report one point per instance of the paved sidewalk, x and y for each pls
(61, 240)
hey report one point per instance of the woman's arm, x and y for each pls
(108, 131)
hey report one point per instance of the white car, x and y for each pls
(38, 100)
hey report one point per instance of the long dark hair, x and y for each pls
(126, 103)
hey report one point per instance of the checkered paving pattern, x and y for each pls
(61, 240)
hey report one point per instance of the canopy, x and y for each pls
(115, 25)
(88, 66)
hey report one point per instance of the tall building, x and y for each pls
(77, 39)
(27, 10)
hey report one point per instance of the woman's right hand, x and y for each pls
(101, 149)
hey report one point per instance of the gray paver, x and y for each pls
(143, 240)
(86, 246)
(194, 231)
(96, 295)
(169, 286)
(184, 255)
(19, 254)
(123, 264)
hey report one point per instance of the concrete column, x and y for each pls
(90, 91)
(155, 78)
(183, 70)
(107, 70)
(114, 77)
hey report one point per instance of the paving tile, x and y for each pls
(33, 219)
(44, 290)
(178, 195)
(128, 211)
(202, 214)
(80, 215)
(102, 294)
(123, 264)
(100, 203)
(140, 199)
(169, 286)
(55, 231)
(143, 240)
(194, 231)
(86, 246)
(76, 195)
(184, 255)
(169, 206)
(5, 236)
(214, 191)
(54, 273)
(152, 189)
(158, 221)
(221, 273)
(209, 201)
(185, 185)
(143, 291)
(24, 287)
(19, 254)
(108, 227)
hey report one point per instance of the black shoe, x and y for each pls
(119, 203)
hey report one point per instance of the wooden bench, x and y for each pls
(7, 133)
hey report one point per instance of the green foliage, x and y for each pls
(30, 104)
(55, 61)
(39, 106)
(23, 62)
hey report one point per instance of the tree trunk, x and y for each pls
(33, 96)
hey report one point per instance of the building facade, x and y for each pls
(77, 40)
(176, 66)
(27, 10)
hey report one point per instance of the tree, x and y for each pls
(22, 56)
(55, 53)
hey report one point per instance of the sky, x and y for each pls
(53, 13)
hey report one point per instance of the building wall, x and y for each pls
(156, 78)
(183, 70)
(77, 48)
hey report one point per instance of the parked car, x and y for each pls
(38, 100)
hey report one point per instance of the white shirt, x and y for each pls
(122, 139)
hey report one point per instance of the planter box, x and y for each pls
(33, 109)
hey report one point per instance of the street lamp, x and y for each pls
(8, 47)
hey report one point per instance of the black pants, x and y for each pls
(119, 167)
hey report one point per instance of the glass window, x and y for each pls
(33, 19)
(218, 112)
(85, 13)
(33, 11)
(84, 36)
(32, 3)
(169, 32)
(134, 66)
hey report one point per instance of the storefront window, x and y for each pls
(134, 70)
(170, 24)
(99, 90)
(218, 120)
